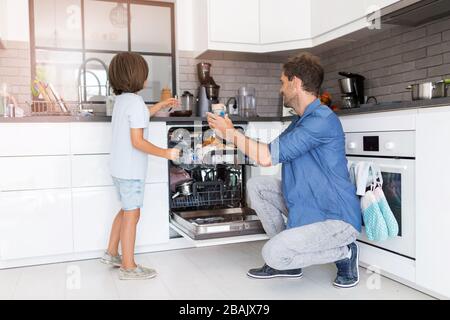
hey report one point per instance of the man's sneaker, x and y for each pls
(348, 269)
(267, 272)
(138, 273)
(109, 259)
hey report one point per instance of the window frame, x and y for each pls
(84, 51)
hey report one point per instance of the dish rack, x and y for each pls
(210, 195)
(50, 108)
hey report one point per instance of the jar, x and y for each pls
(166, 94)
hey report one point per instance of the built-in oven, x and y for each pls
(207, 185)
(394, 153)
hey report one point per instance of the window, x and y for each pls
(73, 42)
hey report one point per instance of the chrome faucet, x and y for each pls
(82, 94)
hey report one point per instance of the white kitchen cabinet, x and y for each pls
(433, 207)
(34, 139)
(285, 21)
(35, 224)
(264, 132)
(269, 25)
(234, 21)
(94, 210)
(158, 170)
(91, 171)
(31, 173)
(90, 137)
(378, 3)
(153, 226)
(328, 16)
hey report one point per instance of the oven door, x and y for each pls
(399, 188)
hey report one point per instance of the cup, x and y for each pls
(219, 109)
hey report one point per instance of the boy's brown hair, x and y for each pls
(127, 73)
(306, 67)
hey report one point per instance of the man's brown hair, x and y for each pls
(307, 68)
(127, 72)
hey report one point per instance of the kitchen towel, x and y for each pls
(363, 174)
(374, 222)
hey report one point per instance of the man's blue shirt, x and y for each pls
(315, 179)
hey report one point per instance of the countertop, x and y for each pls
(395, 106)
(364, 109)
(101, 118)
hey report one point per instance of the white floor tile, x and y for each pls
(8, 282)
(208, 273)
(46, 282)
(95, 281)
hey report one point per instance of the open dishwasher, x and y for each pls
(207, 186)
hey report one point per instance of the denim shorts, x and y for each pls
(130, 193)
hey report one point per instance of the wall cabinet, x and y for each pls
(270, 25)
(35, 223)
(433, 207)
(234, 21)
(285, 21)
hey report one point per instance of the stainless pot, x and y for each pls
(429, 90)
(184, 189)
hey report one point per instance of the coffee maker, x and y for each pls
(352, 90)
(208, 91)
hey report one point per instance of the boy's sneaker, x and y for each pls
(348, 269)
(266, 272)
(138, 273)
(109, 259)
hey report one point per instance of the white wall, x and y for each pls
(14, 20)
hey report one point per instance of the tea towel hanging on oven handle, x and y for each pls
(388, 215)
(374, 221)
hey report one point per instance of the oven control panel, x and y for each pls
(400, 144)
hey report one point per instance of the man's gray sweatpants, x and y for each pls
(318, 243)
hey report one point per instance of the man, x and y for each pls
(316, 195)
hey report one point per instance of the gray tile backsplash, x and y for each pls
(230, 75)
(392, 59)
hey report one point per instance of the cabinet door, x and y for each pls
(330, 15)
(153, 227)
(234, 21)
(158, 170)
(94, 210)
(379, 3)
(286, 20)
(433, 207)
(90, 138)
(34, 139)
(31, 173)
(264, 132)
(35, 224)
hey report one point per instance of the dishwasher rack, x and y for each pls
(210, 195)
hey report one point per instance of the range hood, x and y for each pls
(415, 12)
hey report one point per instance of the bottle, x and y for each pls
(2, 106)
(109, 105)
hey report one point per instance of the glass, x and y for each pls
(58, 23)
(151, 29)
(61, 70)
(392, 188)
(160, 76)
(105, 27)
